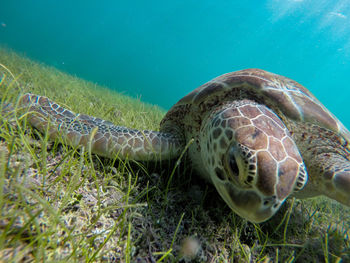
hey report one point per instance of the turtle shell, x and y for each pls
(278, 92)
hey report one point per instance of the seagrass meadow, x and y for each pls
(63, 204)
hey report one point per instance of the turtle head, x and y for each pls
(252, 160)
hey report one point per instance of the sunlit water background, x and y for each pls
(161, 50)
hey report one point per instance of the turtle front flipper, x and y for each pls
(104, 138)
(330, 176)
(336, 179)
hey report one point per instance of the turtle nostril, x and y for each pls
(234, 166)
(220, 174)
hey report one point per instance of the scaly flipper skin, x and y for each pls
(335, 180)
(328, 164)
(109, 140)
(251, 158)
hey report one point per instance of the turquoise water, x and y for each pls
(161, 50)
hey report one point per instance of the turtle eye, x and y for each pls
(234, 166)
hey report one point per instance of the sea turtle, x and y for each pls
(256, 136)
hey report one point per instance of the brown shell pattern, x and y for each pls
(291, 98)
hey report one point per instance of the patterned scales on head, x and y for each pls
(258, 137)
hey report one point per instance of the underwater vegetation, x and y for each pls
(64, 204)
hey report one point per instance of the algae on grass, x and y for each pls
(64, 204)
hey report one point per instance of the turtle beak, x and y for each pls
(246, 203)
